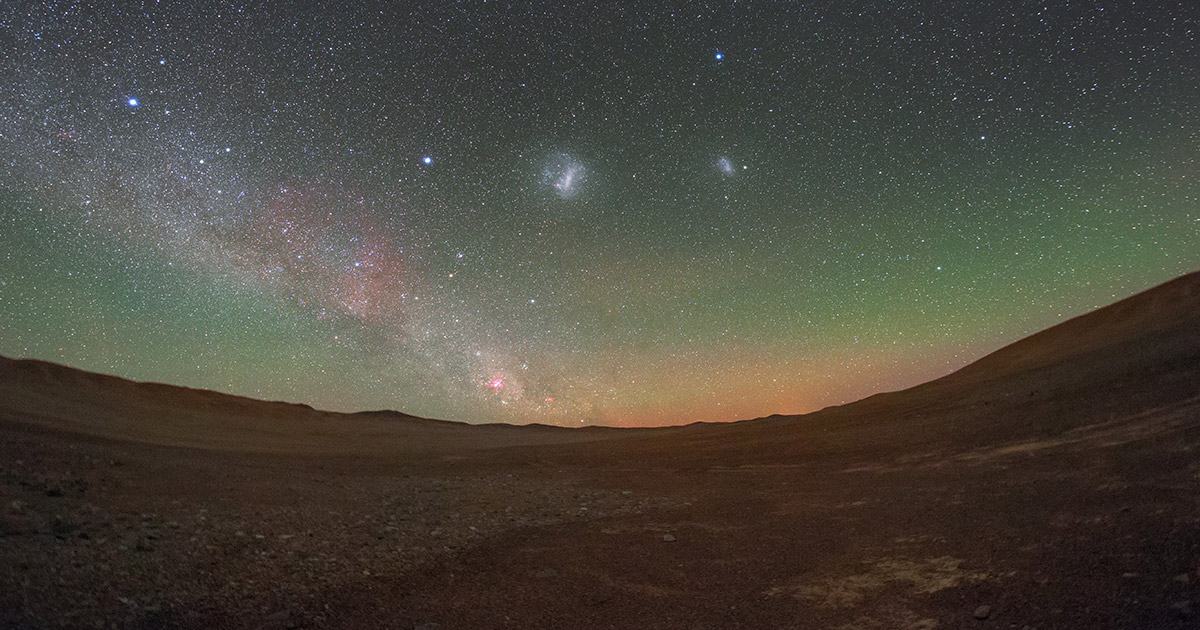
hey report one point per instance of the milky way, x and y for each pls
(590, 213)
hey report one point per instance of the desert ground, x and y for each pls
(1052, 484)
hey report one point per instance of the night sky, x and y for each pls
(590, 213)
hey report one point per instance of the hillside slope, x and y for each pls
(1051, 484)
(57, 397)
(1151, 340)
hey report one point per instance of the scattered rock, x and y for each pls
(1184, 608)
(428, 626)
(54, 492)
(546, 574)
(668, 538)
(983, 612)
(282, 615)
(1182, 578)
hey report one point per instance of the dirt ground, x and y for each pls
(1055, 484)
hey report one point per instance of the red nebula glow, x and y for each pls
(350, 265)
(495, 384)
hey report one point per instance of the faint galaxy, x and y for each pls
(564, 175)
(590, 213)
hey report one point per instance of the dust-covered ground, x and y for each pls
(1055, 484)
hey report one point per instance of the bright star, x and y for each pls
(719, 56)
(133, 102)
(427, 160)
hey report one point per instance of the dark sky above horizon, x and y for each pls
(591, 213)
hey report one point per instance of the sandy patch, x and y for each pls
(916, 577)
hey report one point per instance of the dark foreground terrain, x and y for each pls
(1053, 484)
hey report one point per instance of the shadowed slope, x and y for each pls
(59, 397)
(1053, 482)
(1136, 355)
(1147, 347)
(1159, 325)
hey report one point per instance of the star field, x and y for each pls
(585, 213)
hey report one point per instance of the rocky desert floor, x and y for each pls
(1097, 526)
(1055, 484)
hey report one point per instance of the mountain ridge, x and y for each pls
(1155, 325)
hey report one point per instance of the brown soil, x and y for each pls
(1053, 484)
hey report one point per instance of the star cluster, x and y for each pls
(584, 213)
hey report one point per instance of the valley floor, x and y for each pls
(1096, 526)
